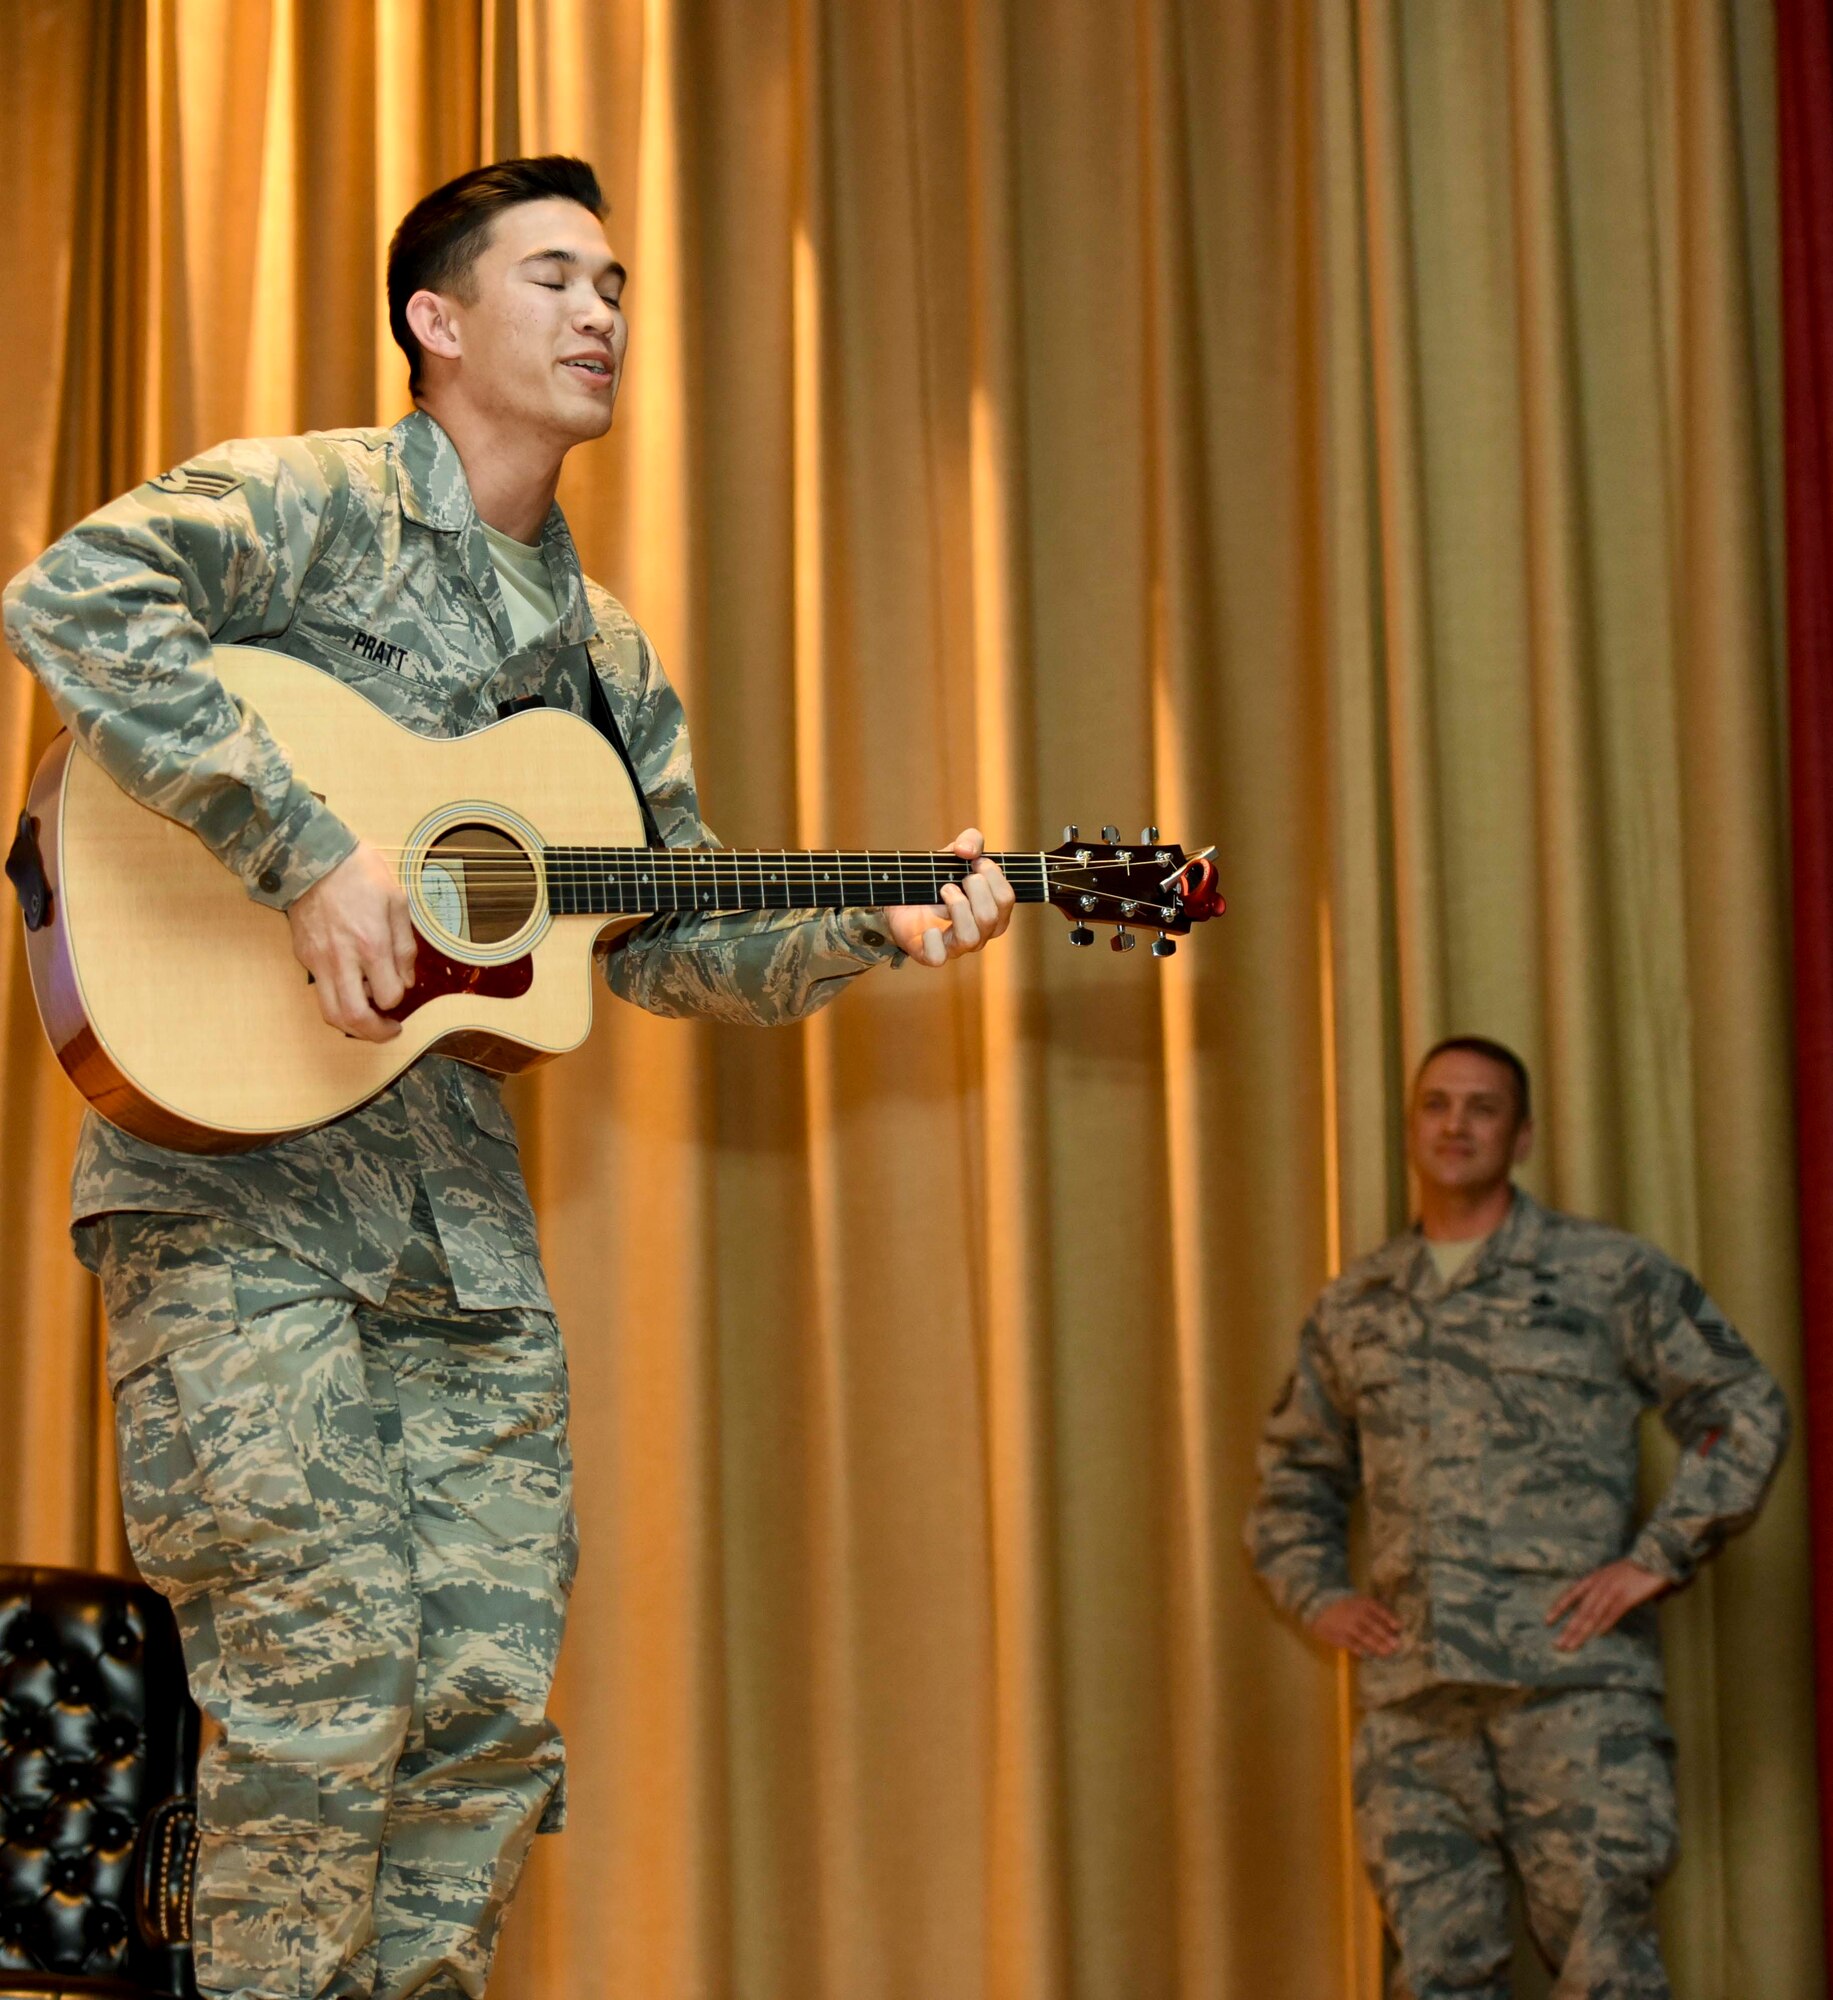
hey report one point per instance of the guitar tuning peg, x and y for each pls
(1080, 933)
(1122, 940)
(1164, 947)
(1111, 834)
(1148, 836)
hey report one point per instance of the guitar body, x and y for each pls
(175, 1003)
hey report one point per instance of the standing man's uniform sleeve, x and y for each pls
(757, 967)
(1724, 1408)
(1310, 1470)
(117, 620)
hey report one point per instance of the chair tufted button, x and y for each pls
(121, 1636)
(25, 1822)
(69, 1874)
(76, 1684)
(24, 1727)
(74, 1778)
(105, 1927)
(114, 1831)
(27, 1637)
(117, 1735)
(16, 1922)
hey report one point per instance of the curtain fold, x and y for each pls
(1347, 432)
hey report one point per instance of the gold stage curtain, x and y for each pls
(1344, 430)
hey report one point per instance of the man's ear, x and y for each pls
(1524, 1140)
(434, 326)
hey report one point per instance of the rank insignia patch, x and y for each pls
(205, 484)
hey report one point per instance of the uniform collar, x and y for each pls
(1406, 1262)
(576, 623)
(1519, 1239)
(434, 489)
(436, 493)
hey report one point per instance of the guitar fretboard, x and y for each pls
(630, 881)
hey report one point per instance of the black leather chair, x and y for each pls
(98, 1761)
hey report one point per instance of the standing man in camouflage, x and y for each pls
(341, 1397)
(1480, 1379)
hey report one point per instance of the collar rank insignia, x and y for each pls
(198, 479)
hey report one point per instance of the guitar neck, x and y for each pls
(643, 881)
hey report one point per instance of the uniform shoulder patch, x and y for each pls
(207, 482)
(1719, 1334)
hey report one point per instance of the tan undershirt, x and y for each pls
(1451, 1257)
(528, 595)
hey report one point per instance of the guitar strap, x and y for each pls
(598, 712)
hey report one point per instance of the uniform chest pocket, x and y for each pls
(1553, 1384)
(1379, 1370)
(1390, 1414)
(384, 640)
(1559, 1456)
(1557, 1353)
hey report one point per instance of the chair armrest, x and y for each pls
(165, 1869)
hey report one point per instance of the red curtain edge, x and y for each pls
(1804, 84)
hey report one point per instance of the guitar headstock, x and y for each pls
(1153, 886)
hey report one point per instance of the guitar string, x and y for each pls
(633, 855)
(519, 908)
(743, 875)
(911, 856)
(682, 860)
(498, 884)
(488, 872)
(566, 869)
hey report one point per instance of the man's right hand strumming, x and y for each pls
(352, 933)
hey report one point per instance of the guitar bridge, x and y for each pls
(25, 869)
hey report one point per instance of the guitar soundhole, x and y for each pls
(479, 884)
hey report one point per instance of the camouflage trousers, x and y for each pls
(362, 1516)
(1574, 1789)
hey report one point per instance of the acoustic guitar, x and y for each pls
(177, 1008)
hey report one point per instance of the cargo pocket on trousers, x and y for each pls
(212, 1486)
(255, 1927)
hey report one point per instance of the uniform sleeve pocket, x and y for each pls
(212, 1486)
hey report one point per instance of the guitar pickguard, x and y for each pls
(435, 974)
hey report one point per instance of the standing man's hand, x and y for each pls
(968, 917)
(352, 933)
(1599, 1600)
(1359, 1625)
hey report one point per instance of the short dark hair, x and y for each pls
(442, 235)
(1495, 1052)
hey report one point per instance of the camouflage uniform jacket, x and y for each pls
(1493, 1423)
(360, 552)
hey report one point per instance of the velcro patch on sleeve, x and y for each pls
(207, 482)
